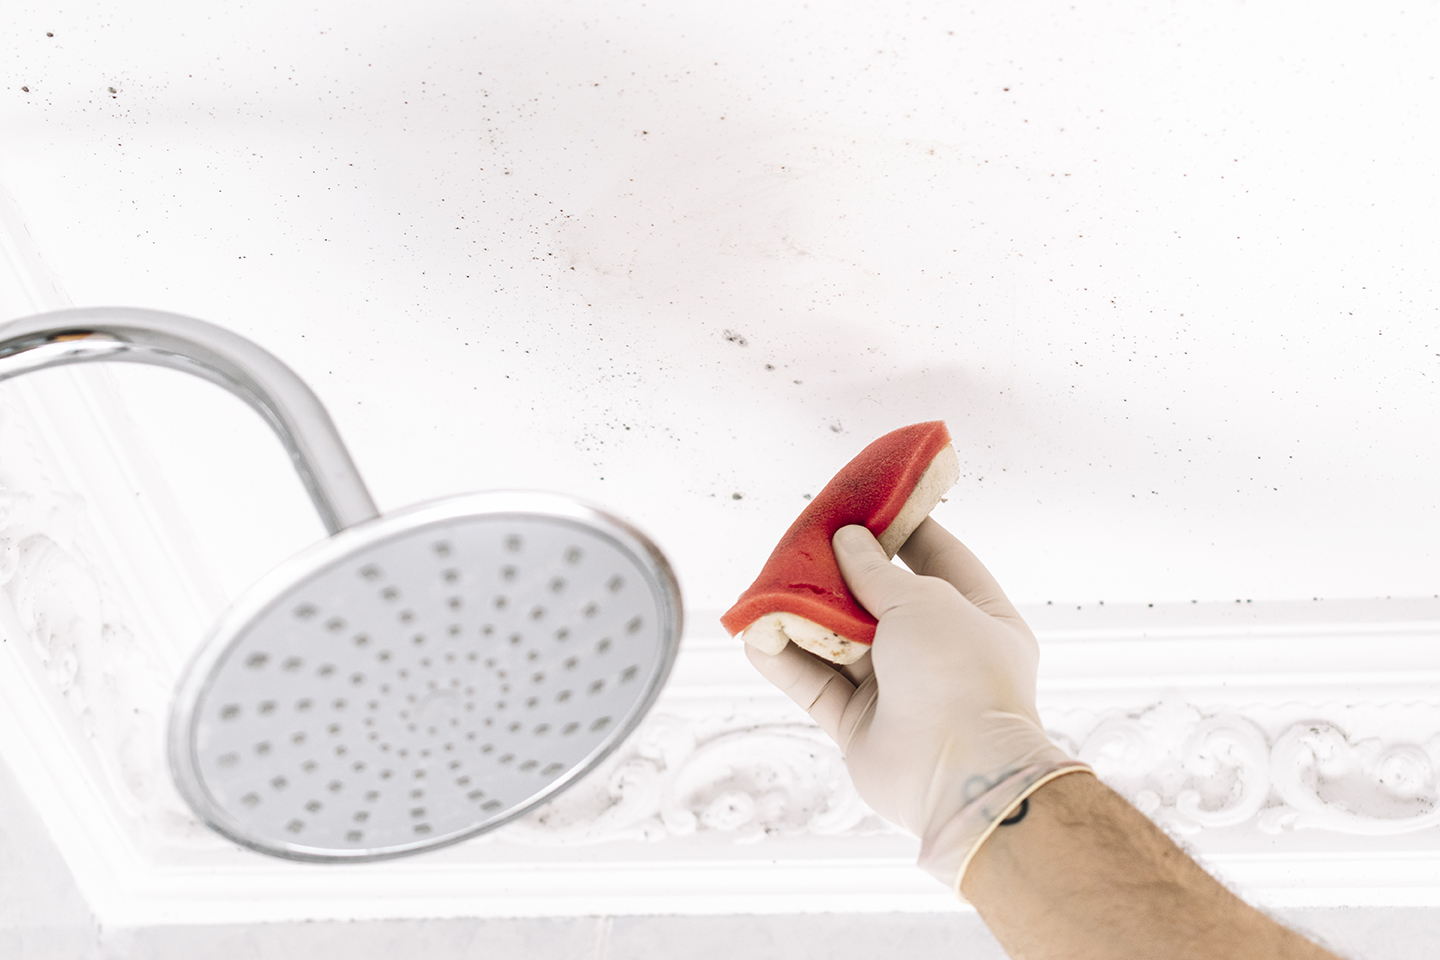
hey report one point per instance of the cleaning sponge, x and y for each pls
(800, 596)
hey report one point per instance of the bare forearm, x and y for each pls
(1085, 876)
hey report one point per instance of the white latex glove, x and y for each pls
(938, 723)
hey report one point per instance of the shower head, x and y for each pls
(414, 679)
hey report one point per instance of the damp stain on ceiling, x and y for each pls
(1169, 276)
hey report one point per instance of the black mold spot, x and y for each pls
(736, 337)
(736, 496)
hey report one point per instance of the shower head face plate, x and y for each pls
(424, 677)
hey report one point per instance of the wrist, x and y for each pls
(947, 848)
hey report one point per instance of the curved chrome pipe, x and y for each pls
(254, 375)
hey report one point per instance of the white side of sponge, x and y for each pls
(939, 477)
(771, 632)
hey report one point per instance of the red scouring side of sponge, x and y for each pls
(801, 577)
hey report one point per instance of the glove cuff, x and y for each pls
(946, 853)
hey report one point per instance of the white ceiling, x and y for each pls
(1169, 274)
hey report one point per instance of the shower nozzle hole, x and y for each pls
(552, 769)
(573, 555)
(257, 660)
(295, 826)
(354, 836)
(305, 611)
(230, 711)
(441, 548)
(603, 645)
(513, 543)
(600, 724)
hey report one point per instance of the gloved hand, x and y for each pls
(937, 723)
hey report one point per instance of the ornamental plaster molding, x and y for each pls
(1271, 769)
(741, 781)
(77, 641)
(746, 779)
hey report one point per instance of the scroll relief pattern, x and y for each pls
(74, 634)
(747, 780)
(1191, 770)
(742, 780)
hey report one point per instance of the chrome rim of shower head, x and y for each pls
(424, 677)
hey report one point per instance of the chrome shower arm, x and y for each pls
(254, 375)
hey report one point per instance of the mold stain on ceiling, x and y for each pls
(1168, 276)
